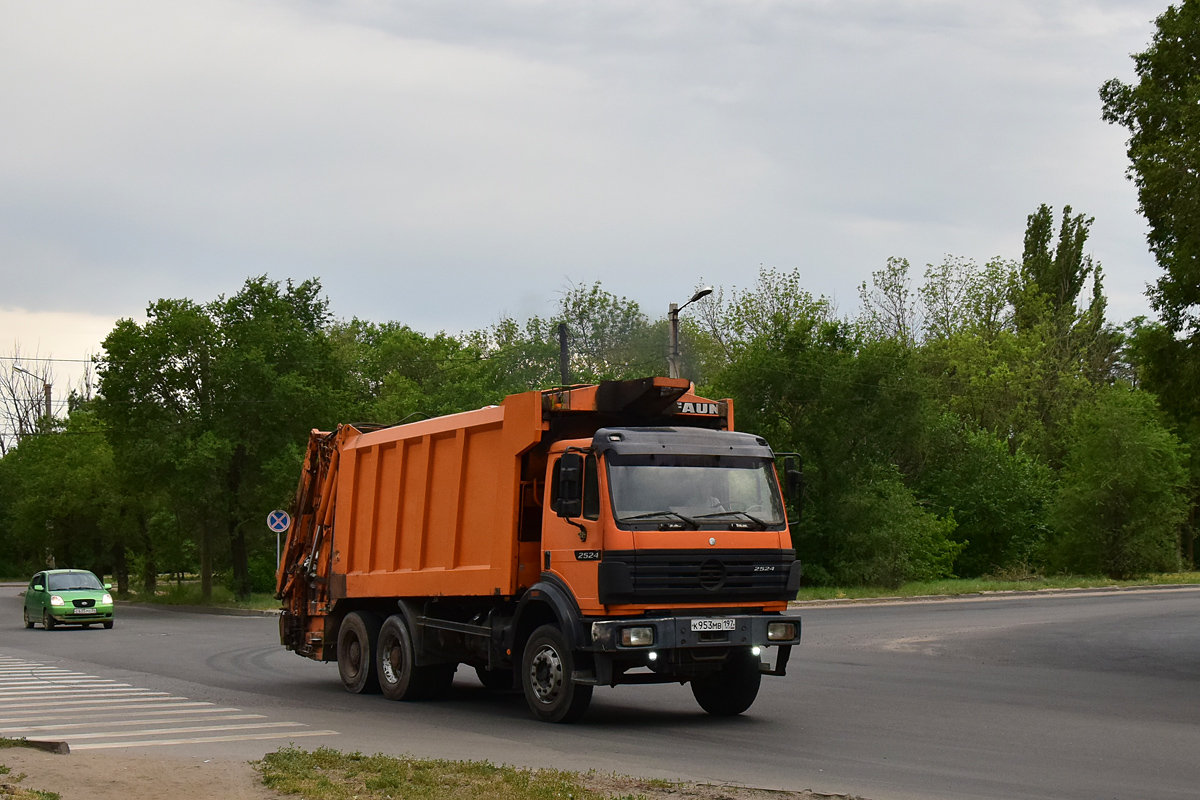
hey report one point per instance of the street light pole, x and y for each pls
(673, 317)
(45, 386)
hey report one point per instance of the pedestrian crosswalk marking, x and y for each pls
(93, 713)
(77, 725)
(202, 739)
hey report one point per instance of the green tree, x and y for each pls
(1162, 113)
(63, 507)
(207, 405)
(1120, 501)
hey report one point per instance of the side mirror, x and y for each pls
(793, 482)
(107, 586)
(37, 587)
(570, 485)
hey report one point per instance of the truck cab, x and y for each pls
(674, 544)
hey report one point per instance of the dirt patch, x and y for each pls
(103, 776)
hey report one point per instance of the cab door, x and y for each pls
(571, 546)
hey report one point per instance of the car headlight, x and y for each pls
(55, 600)
(106, 600)
(781, 631)
(637, 637)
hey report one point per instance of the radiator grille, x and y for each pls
(702, 575)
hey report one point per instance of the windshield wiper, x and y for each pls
(695, 525)
(762, 524)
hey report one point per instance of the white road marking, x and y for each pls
(5, 707)
(193, 729)
(89, 712)
(50, 702)
(202, 739)
(74, 726)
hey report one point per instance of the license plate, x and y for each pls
(85, 611)
(714, 625)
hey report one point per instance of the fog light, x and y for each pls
(637, 637)
(781, 631)
(653, 656)
(756, 651)
(55, 600)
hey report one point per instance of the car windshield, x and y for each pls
(695, 490)
(66, 581)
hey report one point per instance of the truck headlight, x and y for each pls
(781, 631)
(106, 600)
(637, 637)
(55, 600)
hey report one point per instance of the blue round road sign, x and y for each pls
(279, 521)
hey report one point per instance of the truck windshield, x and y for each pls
(696, 490)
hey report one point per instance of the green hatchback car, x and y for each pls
(68, 597)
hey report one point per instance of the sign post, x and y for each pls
(278, 521)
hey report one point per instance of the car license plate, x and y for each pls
(714, 625)
(85, 611)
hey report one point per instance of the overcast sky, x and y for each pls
(446, 163)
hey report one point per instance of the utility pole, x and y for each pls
(673, 317)
(564, 358)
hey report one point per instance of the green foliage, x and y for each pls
(1162, 113)
(947, 428)
(1120, 500)
(207, 406)
(996, 496)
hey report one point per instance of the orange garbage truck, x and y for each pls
(569, 538)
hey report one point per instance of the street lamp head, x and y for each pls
(704, 292)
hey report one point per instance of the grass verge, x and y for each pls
(962, 586)
(326, 774)
(9, 788)
(189, 594)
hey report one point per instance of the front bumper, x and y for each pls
(679, 653)
(67, 615)
(671, 633)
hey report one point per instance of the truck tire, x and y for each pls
(356, 645)
(546, 669)
(731, 690)
(399, 676)
(495, 680)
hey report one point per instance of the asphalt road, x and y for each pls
(1075, 696)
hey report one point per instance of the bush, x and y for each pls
(1120, 501)
(997, 497)
(874, 532)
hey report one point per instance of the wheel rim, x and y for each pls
(393, 662)
(546, 674)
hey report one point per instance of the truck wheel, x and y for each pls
(732, 690)
(356, 652)
(399, 676)
(546, 669)
(495, 680)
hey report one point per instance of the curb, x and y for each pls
(1003, 594)
(215, 610)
